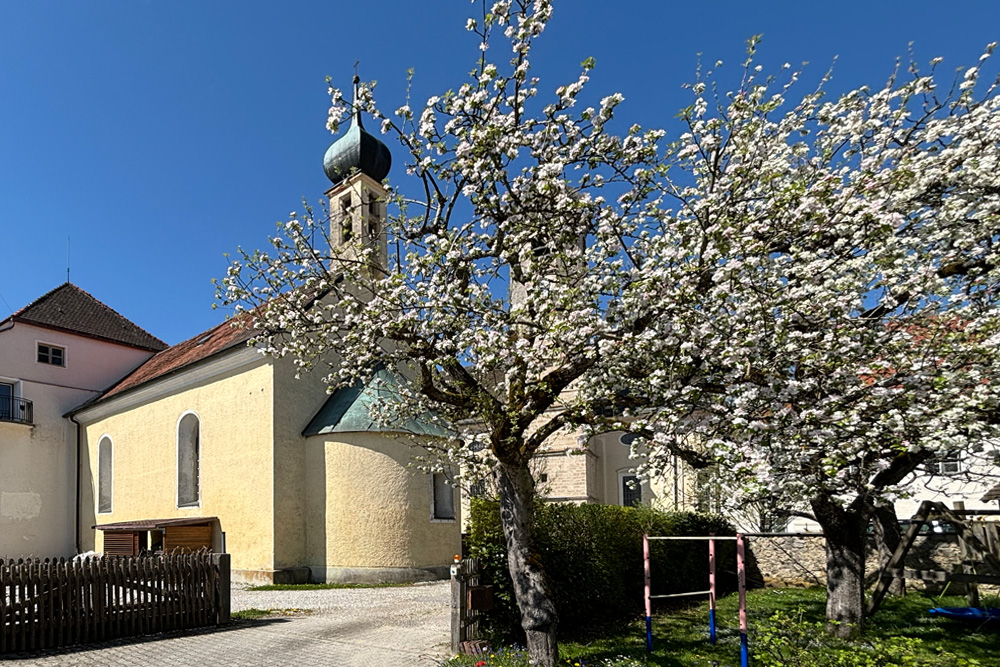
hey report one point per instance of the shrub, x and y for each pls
(593, 558)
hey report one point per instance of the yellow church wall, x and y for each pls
(236, 480)
(368, 509)
(296, 401)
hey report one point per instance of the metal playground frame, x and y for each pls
(741, 579)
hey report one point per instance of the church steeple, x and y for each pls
(356, 163)
(356, 151)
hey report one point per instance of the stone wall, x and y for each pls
(801, 561)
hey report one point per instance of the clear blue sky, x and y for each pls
(160, 135)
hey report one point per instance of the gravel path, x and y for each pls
(402, 601)
(358, 627)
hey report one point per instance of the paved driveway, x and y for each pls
(371, 627)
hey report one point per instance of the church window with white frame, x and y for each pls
(189, 461)
(105, 475)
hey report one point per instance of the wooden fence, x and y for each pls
(53, 603)
(464, 616)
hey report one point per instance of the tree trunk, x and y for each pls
(888, 535)
(538, 612)
(844, 529)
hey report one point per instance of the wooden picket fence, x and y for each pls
(54, 603)
(465, 631)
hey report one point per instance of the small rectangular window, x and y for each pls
(444, 497)
(946, 465)
(50, 354)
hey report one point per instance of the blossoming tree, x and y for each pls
(805, 294)
(833, 272)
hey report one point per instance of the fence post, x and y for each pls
(3, 606)
(224, 588)
(457, 604)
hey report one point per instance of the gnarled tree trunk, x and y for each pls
(889, 535)
(538, 611)
(844, 528)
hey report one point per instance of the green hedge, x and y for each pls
(593, 558)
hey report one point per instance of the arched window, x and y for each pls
(105, 478)
(188, 460)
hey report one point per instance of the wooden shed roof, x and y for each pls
(154, 524)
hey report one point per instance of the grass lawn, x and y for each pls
(680, 635)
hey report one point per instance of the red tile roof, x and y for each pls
(68, 308)
(218, 339)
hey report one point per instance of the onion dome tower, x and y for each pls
(356, 164)
(356, 151)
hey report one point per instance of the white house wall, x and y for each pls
(38, 462)
(976, 476)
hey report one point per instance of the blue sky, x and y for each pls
(160, 135)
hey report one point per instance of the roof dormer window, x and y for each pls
(52, 355)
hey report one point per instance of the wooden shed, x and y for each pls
(130, 538)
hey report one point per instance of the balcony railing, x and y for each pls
(17, 410)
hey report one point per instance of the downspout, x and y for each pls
(79, 467)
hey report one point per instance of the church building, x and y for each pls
(209, 443)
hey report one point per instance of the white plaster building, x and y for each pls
(61, 350)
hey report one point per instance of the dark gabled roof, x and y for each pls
(68, 308)
(218, 339)
(348, 410)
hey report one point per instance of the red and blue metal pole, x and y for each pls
(711, 589)
(649, 606)
(741, 574)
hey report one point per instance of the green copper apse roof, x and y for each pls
(356, 150)
(348, 410)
